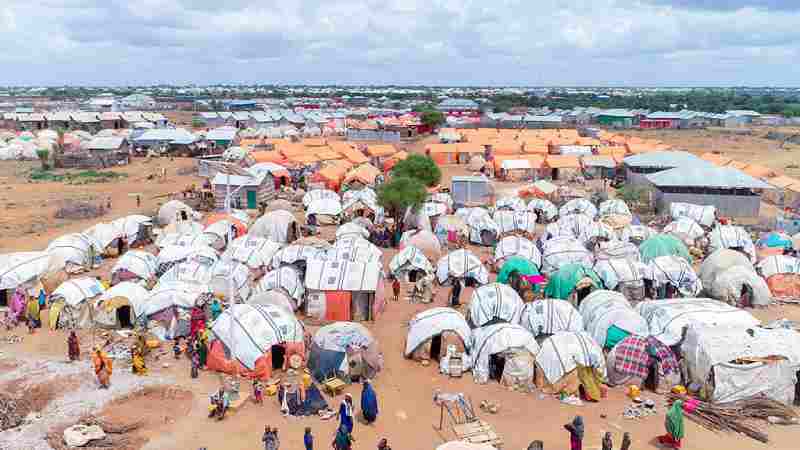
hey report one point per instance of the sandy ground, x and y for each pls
(408, 416)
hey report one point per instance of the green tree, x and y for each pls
(43, 155)
(432, 118)
(399, 194)
(418, 167)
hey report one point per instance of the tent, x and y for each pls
(430, 332)
(672, 276)
(573, 225)
(617, 250)
(739, 362)
(663, 245)
(181, 227)
(720, 261)
(344, 290)
(782, 274)
(561, 354)
(410, 260)
(775, 240)
(297, 255)
(258, 338)
(609, 318)
(434, 209)
(230, 277)
(562, 251)
(578, 206)
(424, 241)
(458, 264)
(573, 282)
(510, 203)
(71, 303)
(254, 252)
(685, 229)
(482, 229)
(135, 228)
(704, 215)
(352, 229)
(623, 275)
(518, 265)
(497, 347)
(549, 316)
(278, 226)
(450, 228)
(734, 238)
(544, 209)
(327, 212)
(516, 246)
(75, 252)
(190, 239)
(18, 269)
(344, 349)
(218, 234)
(134, 265)
(119, 306)
(740, 286)
(492, 303)
(636, 234)
(355, 248)
(512, 221)
(362, 203)
(316, 195)
(167, 309)
(174, 254)
(175, 210)
(666, 319)
(635, 359)
(277, 297)
(613, 207)
(442, 197)
(109, 238)
(285, 278)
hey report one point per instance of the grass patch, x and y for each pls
(82, 177)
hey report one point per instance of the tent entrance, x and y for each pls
(497, 364)
(361, 306)
(581, 293)
(746, 296)
(412, 276)
(278, 356)
(4, 297)
(488, 238)
(436, 347)
(124, 317)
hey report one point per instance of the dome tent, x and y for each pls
(119, 306)
(259, 339)
(671, 276)
(325, 195)
(559, 357)
(327, 212)
(578, 206)
(344, 349)
(685, 229)
(355, 249)
(720, 261)
(254, 252)
(278, 226)
(623, 275)
(459, 264)
(550, 316)
(617, 250)
(511, 246)
(663, 245)
(613, 207)
(782, 274)
(609, 318)
(494, 345)
(425, 241)
(21, 268)
(351, 229)
(494, 303)
(175, 211)
(734, 238)
(74, 252)
(285, 278)
(513, 221)
(482, 229)
(167, 308)
(703, 215)
(510, 204)
(231, 277)
(344, 290)
(71, 303)
(518, 265)
(432, 330)
(174, 254)
(572, 282)
(741, 286)
(649, 356)
(544, 209)
(297, 255)
(134, 265)
(277, 297)
(410, 260)
(636, 234)
(562, 251)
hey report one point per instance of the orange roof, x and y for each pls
(249, 142)
(715, 158)
(267, 156)
(327, 154)
(563, 162)
(737, 165)
(365, 173)
(304, 159)
(506, 148)
(292, 149)
(538, 147)
(378, 150)
(352, 155)
(315, 142)
(588, 159)
(333, 172)
(783, 181)
(441, 148)
(612, 151)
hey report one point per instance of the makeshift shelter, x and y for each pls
(167, 309)
(326, 212)
(739, 362)
(285, 278)
(298, 255)
(482, 229)
(623, 275)
(515, 221)
(572, 282)
(734, 238)
(231, 278)
(666, 319)
(503, 352)
(615, 249)
(545, 210)
(670, 277)
(609, 318)
(451, 229)
(434, 209)
(782, 274)
(134, 265)
(549, 316)
(514, 269)
(510, 246)
(254, 252)
(560, 359)
(704, 215)
(174, 254)
(663, 245)
(344, 290)
(119, 306)
(315, 195)
(578, 206)
(494, 303)
(136, 229)
(720, 261)
(685, 229)
(561, 251)
(71, 305)
(424, 241)
(643, 361)
(258, 338)
(636, 234)
(613, 207)
(410, 264)
(740, 286)
(362, 203)
(346, 350)
(218, 234)
(174, 211)
(278, 226)
(510, 203)
(277, 297)
(355, 248)
(461, 264)
(74, 252)
(352, 229)
(21, 270)
(432, 331)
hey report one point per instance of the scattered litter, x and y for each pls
(640, 409)
(571, 400)
(490, 407)
(11, 339)
(80, 435)
(79, 210)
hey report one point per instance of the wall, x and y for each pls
(727, 205)
(373, 135)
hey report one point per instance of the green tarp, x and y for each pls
(516, 264)
(663, 245)
(563, 282)
(614, 336)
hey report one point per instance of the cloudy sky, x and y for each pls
(447, 42)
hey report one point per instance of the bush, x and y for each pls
(419, 167)
(400, 194)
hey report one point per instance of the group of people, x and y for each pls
(672, 439)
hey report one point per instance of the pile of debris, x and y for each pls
(12, 411)
(92, 432)
(10, 339)
(76, 210)
(640, 410)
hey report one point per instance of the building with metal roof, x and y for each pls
(637, 167)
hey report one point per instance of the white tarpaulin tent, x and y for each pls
(189, 239)
(561, 251)
(132, 295)
(408, 259)
(510, 203)
(425, 241)
(273, 297)
(74, 294)
(138, 262)
(254, 252)
(613, 207)
(494, 339)
(250, 331)
(733, 237)
(492, 302)
(74, 252)
(442, 197)
(685, 228)
(562, 352)
(104, 234)
(131, 226)
(543, 208)
(729, 286)
(231, 277)
(325, 195)
(433, 322)
(710, 350)
(286, 278)
(482, 229)
(620, 270)
(275, 226)
(19, 268)
(573, 225)
(181, 227)
(578, 206)
(174, 253)
(175, 294)
(517, 246)
(331, 208)
(550, 316)
(617, 250)
(704, 215)
(778, 264)
(720, 261)
(675, 271)
(461, 263)
(510, 221)
(603, 309)
(354, 248)
(667, 318)
(295, 253)
(636, 233)
(351, 229)
(434, 209)
(175, 210)
(329, 282)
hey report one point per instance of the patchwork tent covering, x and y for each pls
(615, 271)
(275, 226)
(77, 290)
(181, 227)
(296, 253)
(667, 318)
(478, 222)
(23, 267)
(104, 234)
(191, 272)
(510, 203)
(351, 229)
(137, 262)
(550, 316)
(675, 271)
(613, 207)
(663, 245)
(494, 339)
(408, 259)
(778, 265)
(510, 221)
(685, 228)
(578, 206)
(74, 251)
(704, 215)
(562, 251)
(728, 286)
(543, 208)
(324, 195)
(364, 199)
(356, 249)
(510, 246)
(230, 277)
(436, 321)
(442, 197)
(461, 264)
(631, 360)
(567, 278)
(335, 346)
(186, 239)
(132, 226)
(254, 252)
(175, 253)
(127, 293)
(70, 303)
(171, 211)
(493, 302)
(344, 290)
(286, 278)
(573, 225)
(563, 352)
(518, 265)
(273, 297)
(733, 237)
(602, 310)
(636, 233)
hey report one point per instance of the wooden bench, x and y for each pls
(478, 432)
(333, 386)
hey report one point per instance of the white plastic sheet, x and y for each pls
(550, 316)
(494, 301)
(433, 322)
(562, 352)
(495, 339)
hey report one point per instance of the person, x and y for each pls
(308, 439)
(176, 349)
(575, 433)
(270, 439)
(216, 309)
(369, 403)
(258, 392)
(396, 288)
(608, 444)
(346, 413)
(455, 293)
(383, 444)
(73, 347)
(198, 321)
(202, 348)
(195, 364)
(343, 439)
(102, 367)
(42, 299)
(626, 441)
(138, 366)
(220, 402)
(674, 425)
(32, 314)
(536, 445)
(138, 200)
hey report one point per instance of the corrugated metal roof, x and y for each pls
(222, 134)
(666, 159)
(170, 135)
(106, 143)
(709, 176)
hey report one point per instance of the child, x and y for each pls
(396, 288)
(258, 392)
(176, 349)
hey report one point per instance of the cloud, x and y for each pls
(442, 42)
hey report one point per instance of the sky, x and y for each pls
(416, 42)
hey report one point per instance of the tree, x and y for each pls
(399, 194)
(432, 118)
(58, 149)
(43, 155)
(419, 167)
